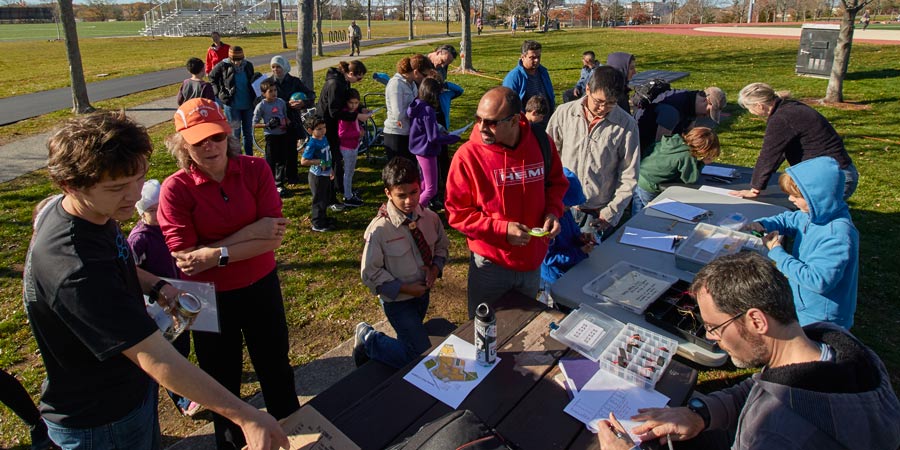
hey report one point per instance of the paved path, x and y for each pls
(30, 154)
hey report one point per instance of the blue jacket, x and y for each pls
(823, 268)
(517, 78)
(450, 92)
(585, 76)
(565, 249)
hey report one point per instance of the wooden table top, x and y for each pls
(521, 397)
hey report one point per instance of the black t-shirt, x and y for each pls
(85, 306)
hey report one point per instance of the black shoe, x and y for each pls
(321, 229)
(353, 202)
(284, 192)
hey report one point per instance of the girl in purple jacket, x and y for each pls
(426, 136)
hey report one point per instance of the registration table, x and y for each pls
(568, 289)
(521, 398)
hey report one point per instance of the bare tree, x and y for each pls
(409, 17)
(465, 45)
(80, 102)
(320, 6)
(304, 42)
(835, 90)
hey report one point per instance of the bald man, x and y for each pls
(497, 192)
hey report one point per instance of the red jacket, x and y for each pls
(214, 55)
(491, 185)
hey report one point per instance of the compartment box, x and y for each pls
(628, 351)
(677, 312)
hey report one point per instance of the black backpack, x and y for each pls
(461, 430)
(540, 133)
(647, 92)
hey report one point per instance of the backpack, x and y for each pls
(540, 133)
(461, 430)
(647, 92)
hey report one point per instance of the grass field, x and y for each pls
(320, 275)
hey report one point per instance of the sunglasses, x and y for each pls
(218, 137)
(491, 122)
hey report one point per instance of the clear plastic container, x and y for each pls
(630, 286)
(708, 242)
(734, 221)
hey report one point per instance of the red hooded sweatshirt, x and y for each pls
(490, 185)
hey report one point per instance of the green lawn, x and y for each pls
(320, 274)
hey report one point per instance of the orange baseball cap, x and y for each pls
(200, 118)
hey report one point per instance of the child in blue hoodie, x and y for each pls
(426, 136)
(571, 246)
(823, 267)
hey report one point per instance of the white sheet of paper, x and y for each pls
(460, 131)
(636, 289)
(208, 318)
(605, 393)
(719, 171)
(714, 243)
(716, 190)
(678, 209)
(376, 110)
(451, 376)
(648, 239)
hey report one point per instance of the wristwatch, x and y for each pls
(156, 290)
(223, 256)
(699, 406)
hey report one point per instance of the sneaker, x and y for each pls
(359, 343)
(353, 202)
(321, 229)
(357, 193)
(337, 207)
(284, 192)
(192, 408)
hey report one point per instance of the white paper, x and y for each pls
(586, 334)
(208, 318)
(460, 131)
(716, 190)
(653, 240)
(719, 171)
(605, 393)
(713, 244)
(678, 209)
(372, 112)
(451, 376)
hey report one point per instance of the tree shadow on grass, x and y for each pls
(873, 74)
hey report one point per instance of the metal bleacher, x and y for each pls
(178, 18)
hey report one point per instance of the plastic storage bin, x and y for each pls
(629, 286)
(628, 351)
(708, 242)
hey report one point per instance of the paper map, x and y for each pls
(449, 373)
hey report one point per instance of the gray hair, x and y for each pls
(756, 93)
(177, 147)
(530, 45)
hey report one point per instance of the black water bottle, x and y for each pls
(485, 335)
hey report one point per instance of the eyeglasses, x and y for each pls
(218, 137)
(491, 122)
(602, 103)
(716, 331)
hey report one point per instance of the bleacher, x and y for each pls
(178, 18)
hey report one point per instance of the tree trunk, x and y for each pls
(319, 51)
(304, 43)
(80, 102)
(465, 45)
(410, 18)
(835, 90)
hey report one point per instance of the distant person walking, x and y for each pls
(865, 20)
(216, 52)
(515, 25)
(231, 79)
(354, 34)
(479, 24)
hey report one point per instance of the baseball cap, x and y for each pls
(717, 101)
(200, 118)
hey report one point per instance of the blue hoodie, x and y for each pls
(565, 249)
(823, 268)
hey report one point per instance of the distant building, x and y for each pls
(26, 14)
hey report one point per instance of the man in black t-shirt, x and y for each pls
(84, 300)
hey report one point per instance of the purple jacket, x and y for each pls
(150, 251)
(425, 135)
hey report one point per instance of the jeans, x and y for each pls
(641, 199)
(322, 193)
(406, 317)
(851, 180)
(488, 282)
(241, 121)
(277, 151)
(138, 430)
(349, 155)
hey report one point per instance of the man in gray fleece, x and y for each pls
(819, 388)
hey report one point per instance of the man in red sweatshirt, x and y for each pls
(497, 194)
